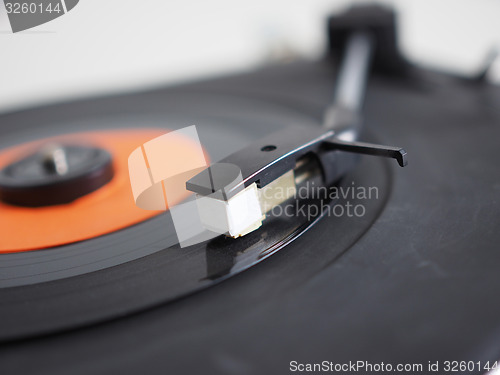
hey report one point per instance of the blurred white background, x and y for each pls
(103, 47)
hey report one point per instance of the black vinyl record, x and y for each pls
(389, 286)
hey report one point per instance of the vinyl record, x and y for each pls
(144, 258)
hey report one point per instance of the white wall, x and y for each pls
(106, 46)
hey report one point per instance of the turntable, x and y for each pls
(91, 283)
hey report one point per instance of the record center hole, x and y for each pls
(268, 148)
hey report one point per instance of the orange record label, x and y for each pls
(108, 209)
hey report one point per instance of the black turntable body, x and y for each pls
(415, 280)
